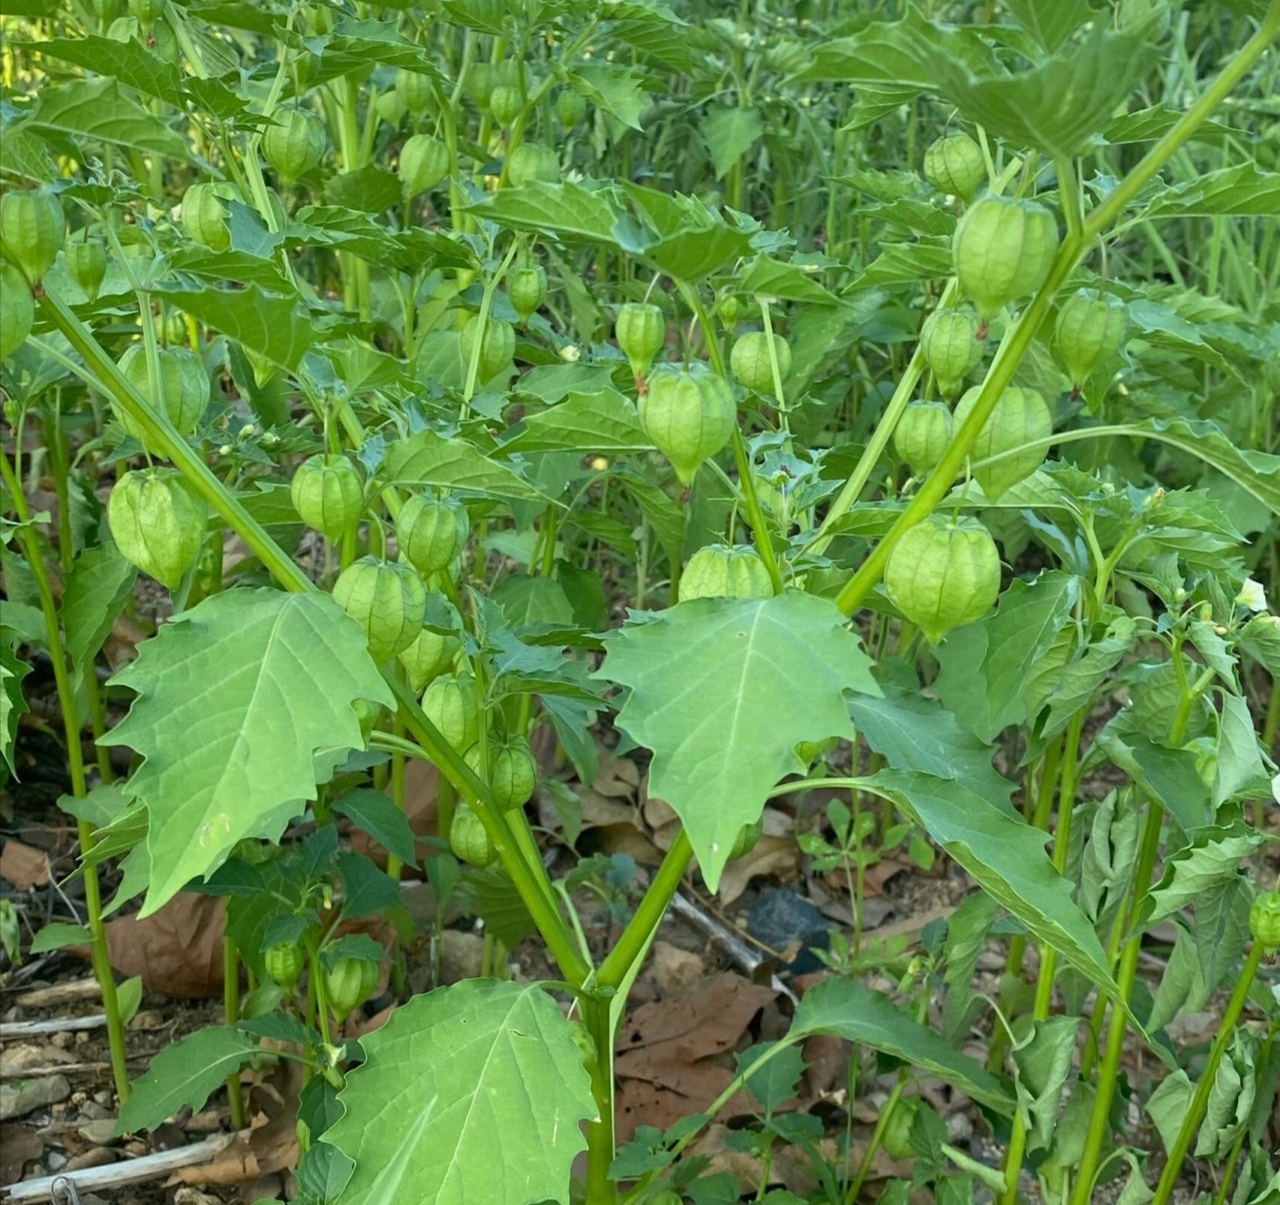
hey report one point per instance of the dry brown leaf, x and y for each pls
(777, 856)
(177, 950)
(234, 1164)
(599, 811)
(627, 839)
(24, 866)
(18, 1147)
(668, 1050)
(699, 1025)
(676, 971)
(617, 776)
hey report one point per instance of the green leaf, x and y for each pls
(1056, 107)
(1169, 776)
(1215, 857)
(1043, 1062)
(185, 1073)
(706, 681)
(378, 815)
(1241, 772)
(271, 324)
(236, 697)
(583, 422)
(1050, 24)
(474, 1092)
(1071, 686)
(130, 62)
(369, 189)
(789, 281)
(98, 586)
(613, 89)
(58, 936)
(906, 263)
(13, 703)
(913, 732)
(986, 666)
(730, 134)
(776, 1082)
(568, 211)
(845, 1009)
(491, 895)
(429, 459)
(1006, 857)
(1242, 190)
(98, 111)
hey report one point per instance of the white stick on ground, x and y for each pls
(116, 1175)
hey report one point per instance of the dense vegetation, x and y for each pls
(810, 401)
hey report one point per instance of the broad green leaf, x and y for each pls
(583, 422)
(616, 90)
(96, 590)
(1050, 24)
(1214, 858)
(429, 459)
(776, 1082)
(906, 263)
(986, 666)
(1073, 684)
(1056, 107)
(474, 1092)
(912, 732)
(1006, 857)
(491, 895)
(730, 134)
(97, 110)
(568, 211)
(369, 189)
(968, 928)
(789, 281)
(903, 56)
(1235, 1088)
(235, 699)
(185, 1073)
(1182, 988)
(378, 815)
(1109, 856)
(59, 936)
(13, 703)
(1241, 190)
(722, 691)
(271, 324)
(1169, 776)
(845, 1009)
(1044, 1064)
(1241, 772)
(130, 62)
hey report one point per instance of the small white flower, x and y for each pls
(570, 353)
(1252, 596)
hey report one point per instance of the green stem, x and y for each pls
(653, 904)
(231, 1014)
(1015, 347)
(30, 542)
(601, 1190)
(1199, 1102)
